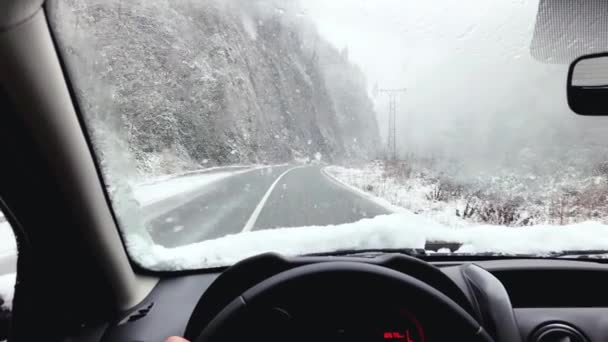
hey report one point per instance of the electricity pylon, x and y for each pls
(392, 120)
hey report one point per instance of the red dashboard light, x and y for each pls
(392, 335)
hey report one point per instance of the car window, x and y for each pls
(8, 269)
(228, 128)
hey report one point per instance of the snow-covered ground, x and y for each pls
(411, 195)
(7, 289)
(459, 197)
(201, 172)
(417, 218)
(161, 188)
(8, 248)
(400, 230)
(157, 189)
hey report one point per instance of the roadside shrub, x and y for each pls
(446, 189)
(397, 170)
(550, 193)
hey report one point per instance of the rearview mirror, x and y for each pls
(588, 85)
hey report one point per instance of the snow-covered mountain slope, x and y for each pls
(179, 84)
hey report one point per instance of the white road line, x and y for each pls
(155, 209)
(254, 216)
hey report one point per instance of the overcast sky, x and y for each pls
(465, 63)
(391, 38)
(416, 44)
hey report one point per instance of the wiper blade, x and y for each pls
(373, 252)
(434, 254)
(430, 248)
(581, 254)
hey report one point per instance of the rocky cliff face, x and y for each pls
(179, 84)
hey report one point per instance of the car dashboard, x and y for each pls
(511, 299)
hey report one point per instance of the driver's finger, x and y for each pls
(176, 339)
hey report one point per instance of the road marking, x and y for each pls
(254, 216)
(165, 205)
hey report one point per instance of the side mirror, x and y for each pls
(588, 85)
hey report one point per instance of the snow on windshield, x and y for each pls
(395, 231)
(230, 128)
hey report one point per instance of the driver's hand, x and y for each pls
(176, 339)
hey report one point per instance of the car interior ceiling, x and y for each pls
(76, 283)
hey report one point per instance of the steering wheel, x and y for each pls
(343, 301)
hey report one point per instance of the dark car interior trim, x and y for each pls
(174, 298)
(70, 250)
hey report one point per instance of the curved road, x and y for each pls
(284, 196)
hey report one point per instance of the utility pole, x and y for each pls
(392, 120)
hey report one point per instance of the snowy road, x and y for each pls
(283, 196)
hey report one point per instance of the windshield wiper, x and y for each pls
(431, 254)
(581, 254)
(430, 248)
(374, 252)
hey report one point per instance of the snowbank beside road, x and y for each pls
(411, 196)
(199, 172)
(161, 188)
(508, 196)
(400, 230)
(147, 194)
(390, 207)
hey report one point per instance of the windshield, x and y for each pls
(228, 128)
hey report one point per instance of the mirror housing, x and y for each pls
(588, 85)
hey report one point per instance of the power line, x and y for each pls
(392, 120)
